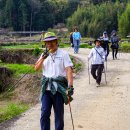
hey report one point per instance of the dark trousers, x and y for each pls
(96, 72)
(114, 52)
(48, 100)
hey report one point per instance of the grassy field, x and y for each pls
(8, 107)
(124, 46)
(19, 69)
(11, 110)
(30, 46)
(33, 46)
(27, 46)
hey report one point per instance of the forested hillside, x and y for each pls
(35, 14)
(91, 16)
(96, 18)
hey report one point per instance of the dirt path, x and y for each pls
(103, 108)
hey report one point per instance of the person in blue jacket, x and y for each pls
(76, 40)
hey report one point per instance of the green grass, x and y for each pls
(31, 46)
(125, 38)
(77, 65)
(39, 45)
(86, 46)
(11, 110)
(125, 47)
(64, 45)
(19, 69)
(21, 46)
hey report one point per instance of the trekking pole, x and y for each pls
(105, 75)
(69, 48)
(120, 53)
(106, 64)
(88, 71)
(71, 112)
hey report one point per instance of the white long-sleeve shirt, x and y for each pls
(95, 57)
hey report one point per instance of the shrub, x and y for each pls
(78, 67)
(37, 51)
(125, 47)
(85, 46)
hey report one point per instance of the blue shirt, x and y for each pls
(76, 36)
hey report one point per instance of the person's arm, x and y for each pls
(90, 55)
(38, 64)
(68, 67)
(69, 73)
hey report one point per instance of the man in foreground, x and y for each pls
(57, 79)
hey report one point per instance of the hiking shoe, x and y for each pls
(97, 85)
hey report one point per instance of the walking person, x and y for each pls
(106, 42)
(41, 38)
(115, 45)
(71, 39)
(97, 56)
(57, 79)
(76, 40)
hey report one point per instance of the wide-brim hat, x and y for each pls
(97, 40)
(49, 36)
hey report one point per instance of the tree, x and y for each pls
(124, 22)
(23, 15)
(34, 6)
(9, 13)
(95, 23)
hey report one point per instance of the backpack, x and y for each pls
(115, 40)
(76, 36)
